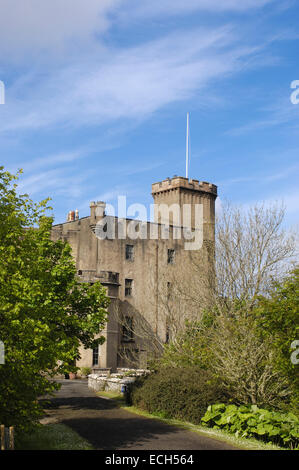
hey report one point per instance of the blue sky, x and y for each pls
(97, 94)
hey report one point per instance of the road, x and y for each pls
(107, 427)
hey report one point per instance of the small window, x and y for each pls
(130, 252)
(167, 334)
(128, 287)
(128, 332)
(170, 256)
(168, 290)
(95, 356)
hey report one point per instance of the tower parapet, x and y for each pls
(184, 183)
(172, 194)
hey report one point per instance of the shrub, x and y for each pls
(85, 370)
(191, 346)
(182, 393)
(246, 364)
(252, 421)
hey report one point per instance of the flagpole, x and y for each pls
(187, 147)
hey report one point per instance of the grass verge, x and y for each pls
(241, 443)
(52, 437)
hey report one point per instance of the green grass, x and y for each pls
(241, 443)
(115, 396)
(52, 437)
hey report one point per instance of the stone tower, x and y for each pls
(139, 273)
(172, 194)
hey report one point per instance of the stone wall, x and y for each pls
(114, 382)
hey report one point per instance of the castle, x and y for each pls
(138, 271)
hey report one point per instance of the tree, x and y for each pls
(251, 250)
(45, 312)
(278, 317)
(245, 361)
(190, 347)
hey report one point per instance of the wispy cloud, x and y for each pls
(279, 113)
(129, 84)
(56, 30)
(51, 29)
(281, 174)
(153, 8)
(52, 160)
(58, 181)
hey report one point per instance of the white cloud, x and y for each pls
(132, 83)
(283, 173)
(53, 160)
(52, 28)
(57, 181)
(28, 27)
(153, 8)
(280, 112)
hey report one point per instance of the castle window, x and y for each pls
(128, 287)
(128, 332)
(167, 334)
(130, 252)
(168, 291)
(170, 256)
(95, 356)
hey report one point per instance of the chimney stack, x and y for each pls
(70, 216)
(97, 210)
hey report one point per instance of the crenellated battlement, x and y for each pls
(184, 183)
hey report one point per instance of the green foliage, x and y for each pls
(278, 316)
(252, 421)
(44, 311)
(85, 370)
(181, 393)
(191, 347)
(235, 350)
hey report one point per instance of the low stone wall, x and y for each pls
(99, 383)
(114, 382)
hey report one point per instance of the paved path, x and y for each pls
(108, 427)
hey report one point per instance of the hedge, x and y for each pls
(181, 393)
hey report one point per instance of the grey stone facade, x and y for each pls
(134, 270)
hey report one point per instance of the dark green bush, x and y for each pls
(252, 421)
(181, 393)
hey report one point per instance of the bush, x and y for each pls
(191, 346)
(181, 393)
(85, 371)
(251, 421)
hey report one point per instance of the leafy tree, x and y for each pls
(278, 316)
(191, 347)
(45, 312)
(251, 250)
(244, 360)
